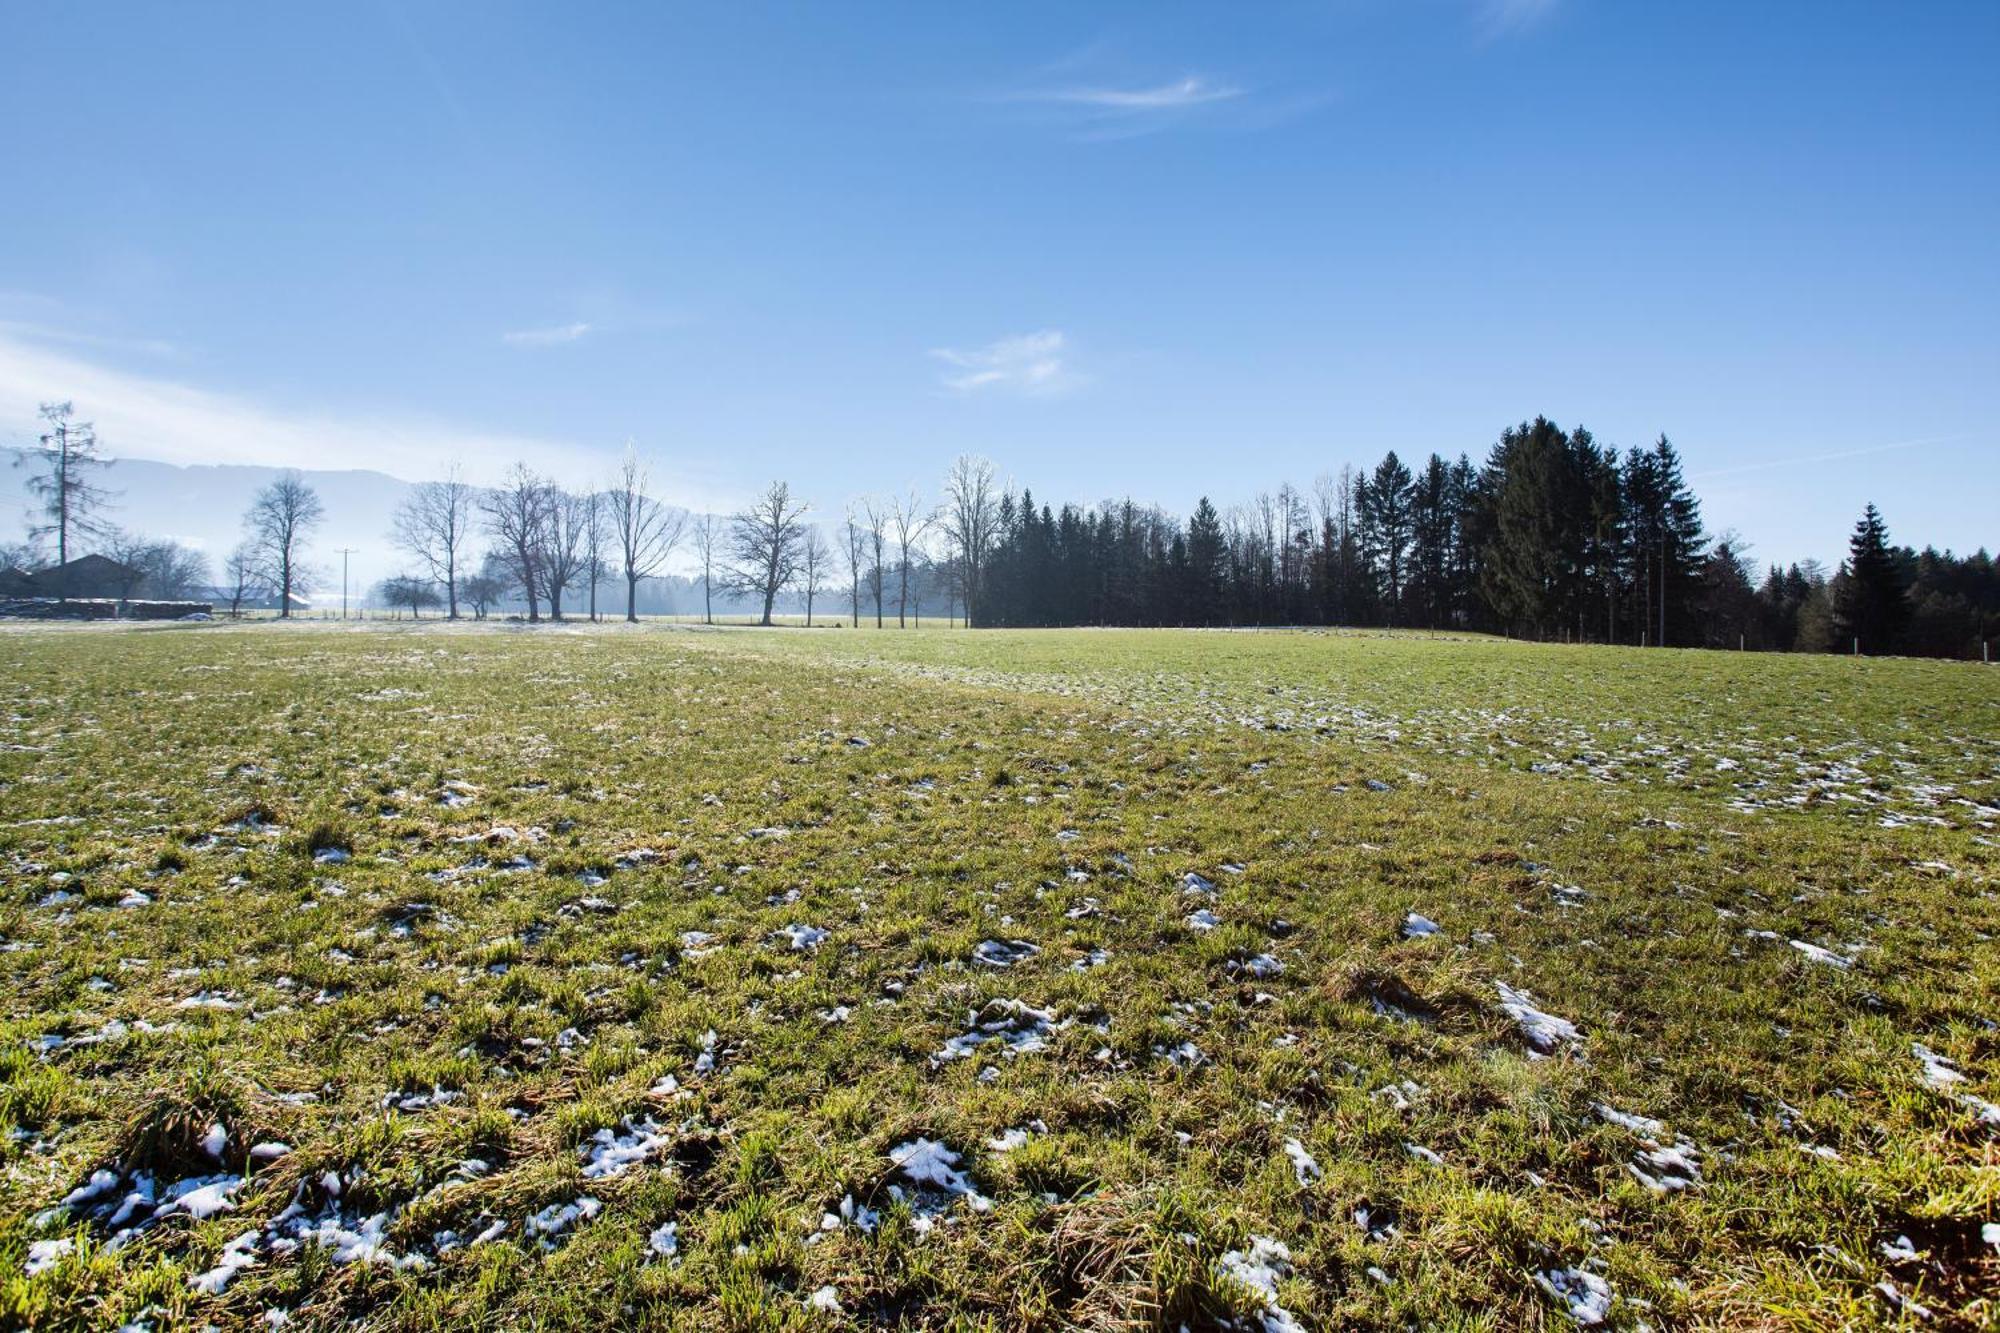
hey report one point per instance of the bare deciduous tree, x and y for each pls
(514, 515)
(874, 537)
(560, 553)
(172, 572)
(128, 553)
(912, 520)
(245, 574)
(22, 555)
(854, 549)
(280, 518)
(815, 562)
(971, 524)
(647, 530)
(765, 542)
(596, 539)
(409, 590)
(485, 589)
(706, 530)
(433, 525)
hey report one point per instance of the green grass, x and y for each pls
(1608, 830)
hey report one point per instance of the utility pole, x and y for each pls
(345, 551)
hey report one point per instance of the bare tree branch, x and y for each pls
(765, 541)
(706, 531)
(514, 515)
(971, 524)
(433, 525)
(280, 518)
(647, 530)
(815, 559)
(912, 519)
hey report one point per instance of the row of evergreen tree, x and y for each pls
(1882, 598)
(1554, 536)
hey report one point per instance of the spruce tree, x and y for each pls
(1685, 547)
(1205, 556)
(1537, 501)
(1386, 515)
(1432, 519)
(1664, 546)
(1872, 606)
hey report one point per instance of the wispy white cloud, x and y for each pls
(1194, 90)
(1109, 109)
(49, 334)
(1499, 18)
(145, 416)
(1030, 363)
(549, 337)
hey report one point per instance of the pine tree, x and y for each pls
(1685, 547)
(1465, 608)
(1873, 607)
(1536, 495)
(1205, 555)
(1384, 504)
(1432, 519)
(1664, 546)
(1605, 550)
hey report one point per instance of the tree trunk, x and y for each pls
(631, 599)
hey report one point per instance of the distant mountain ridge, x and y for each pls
(203, 505)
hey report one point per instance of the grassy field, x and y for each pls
(436, 977)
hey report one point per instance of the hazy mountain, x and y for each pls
(203, 507)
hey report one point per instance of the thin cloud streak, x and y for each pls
(44, 333)
(1809, 459)
(1099, 110)
(1193, 90)
(549, 337)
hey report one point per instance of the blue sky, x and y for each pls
(1149, 249)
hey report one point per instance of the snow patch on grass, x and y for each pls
(1543, 1030)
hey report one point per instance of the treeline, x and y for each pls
(1554, 536)
(1883, 598)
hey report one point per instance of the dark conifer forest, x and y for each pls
(1553, 536)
